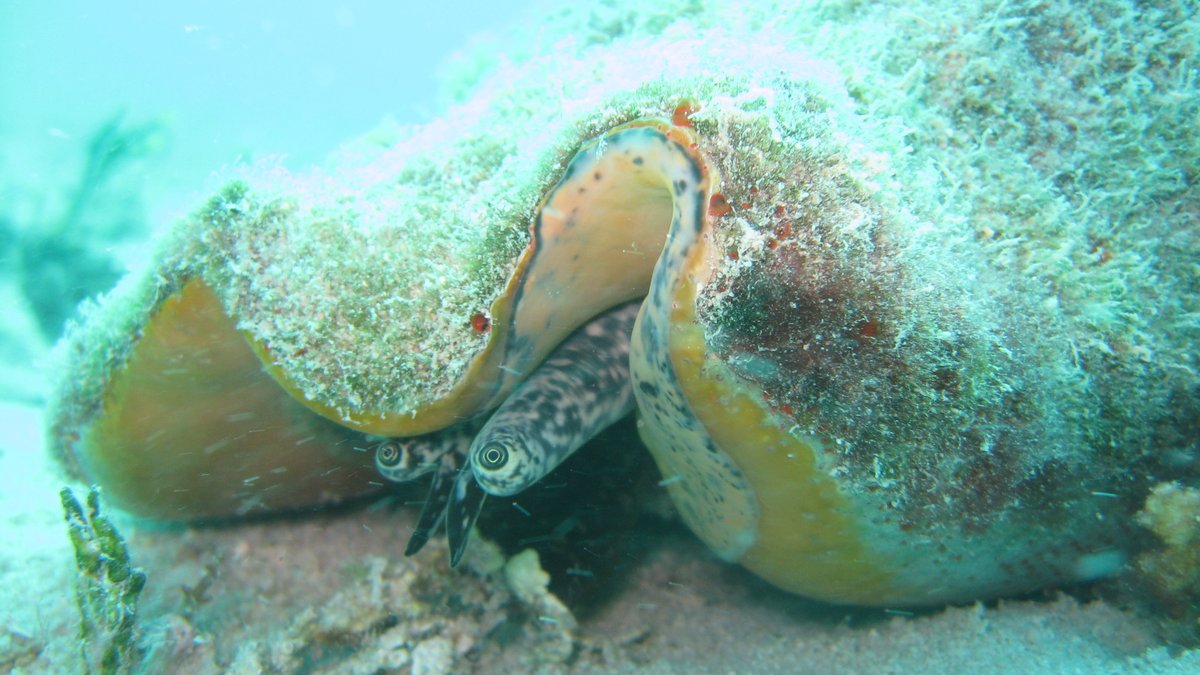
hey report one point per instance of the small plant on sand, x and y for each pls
(106, 588)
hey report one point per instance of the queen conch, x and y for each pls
(859, 375)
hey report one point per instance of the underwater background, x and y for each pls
(135, 109)
(119, 121)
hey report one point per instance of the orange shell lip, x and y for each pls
(193, 428)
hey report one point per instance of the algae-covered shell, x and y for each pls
(861, 377)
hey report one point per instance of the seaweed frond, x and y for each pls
(106, 589)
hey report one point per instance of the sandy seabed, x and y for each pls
(331, 593)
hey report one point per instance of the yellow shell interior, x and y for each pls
(193, 427)
(808, 537)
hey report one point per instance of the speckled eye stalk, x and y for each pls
(493, 457)
(390, 455)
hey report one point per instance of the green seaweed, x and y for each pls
(106, 590)
(63, 261)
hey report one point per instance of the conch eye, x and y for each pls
(390, 455)
(493, 457)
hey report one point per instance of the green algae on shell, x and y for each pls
(927, 315)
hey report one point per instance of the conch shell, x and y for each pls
(869, 370)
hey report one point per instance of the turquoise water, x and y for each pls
(221, 82)
(118, 119)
